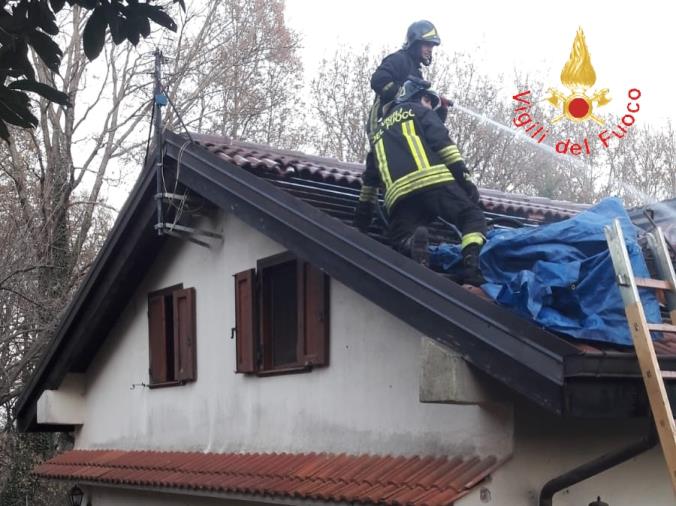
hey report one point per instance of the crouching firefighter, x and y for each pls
(424, 177)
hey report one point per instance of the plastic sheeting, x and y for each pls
(560, 275)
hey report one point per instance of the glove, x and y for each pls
(442, 108)
(442, 112)
(446, 102)
(363, 215)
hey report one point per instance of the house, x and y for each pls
(298, 361)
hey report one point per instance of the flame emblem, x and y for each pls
(578, 75)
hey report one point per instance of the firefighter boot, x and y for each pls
(419, 242)
(471, 270)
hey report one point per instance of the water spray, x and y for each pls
(517, 134)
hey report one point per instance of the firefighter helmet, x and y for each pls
(414, 89)
(422, 31)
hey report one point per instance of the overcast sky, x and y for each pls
(631, 44)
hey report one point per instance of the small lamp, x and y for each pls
(75, 495)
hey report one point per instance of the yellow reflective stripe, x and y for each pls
(472, 238)
(373, 115)
(401, 192)
(417, 180)
(451, 148)
(450, 154)
(449, 160)
(382, 164)
(419, 144)
(415, 145)
(431, 33)
(411, 145)
(368, 194)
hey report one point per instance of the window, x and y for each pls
(282, 322)
(172, 333)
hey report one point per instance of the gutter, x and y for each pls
(594, 467)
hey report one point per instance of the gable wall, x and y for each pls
(365, 401)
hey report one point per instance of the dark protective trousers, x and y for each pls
(449, 202)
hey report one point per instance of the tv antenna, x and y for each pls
(177, 204)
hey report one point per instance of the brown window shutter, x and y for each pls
(185, 326)
(245, 320)
(157, 342)
(314, 325)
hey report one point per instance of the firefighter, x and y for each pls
(402, 65)
(424, 177)
(397, 68)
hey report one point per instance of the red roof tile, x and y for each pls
(366, 479)
(262, 159)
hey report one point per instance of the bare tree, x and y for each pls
(53, 215)
(235, 71)
(341, 98)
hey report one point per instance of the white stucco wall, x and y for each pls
(365, 401)
(111, 496)
(547, 446)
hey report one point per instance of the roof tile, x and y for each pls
(367, 479)
(281, 163)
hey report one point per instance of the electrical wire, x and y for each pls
(178, 115)
(150, 132)
(183, 206)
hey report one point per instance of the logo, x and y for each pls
(579, 76)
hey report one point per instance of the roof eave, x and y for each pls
(130, 247)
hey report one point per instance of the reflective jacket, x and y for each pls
(393, 72)
(390, 75)
(413, 152)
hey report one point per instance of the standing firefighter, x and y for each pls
(398, 67)
(424, 177)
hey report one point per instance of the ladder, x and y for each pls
(653, 376)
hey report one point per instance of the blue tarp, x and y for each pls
(560, 275)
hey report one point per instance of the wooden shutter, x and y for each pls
(157, 339)
(185, 326)
(313, 342)
(245, 321)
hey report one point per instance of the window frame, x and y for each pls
(180, 338)
(265, 307)
(254, 341)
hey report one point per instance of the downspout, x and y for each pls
(595, 467)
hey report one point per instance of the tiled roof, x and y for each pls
(366, 479)
(284, 164)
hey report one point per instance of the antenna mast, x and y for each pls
(175, 229)
(159, 100)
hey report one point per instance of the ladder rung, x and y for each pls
(653, 283)
(661, 327)
(669, 374)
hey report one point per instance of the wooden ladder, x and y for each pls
(653, 376)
